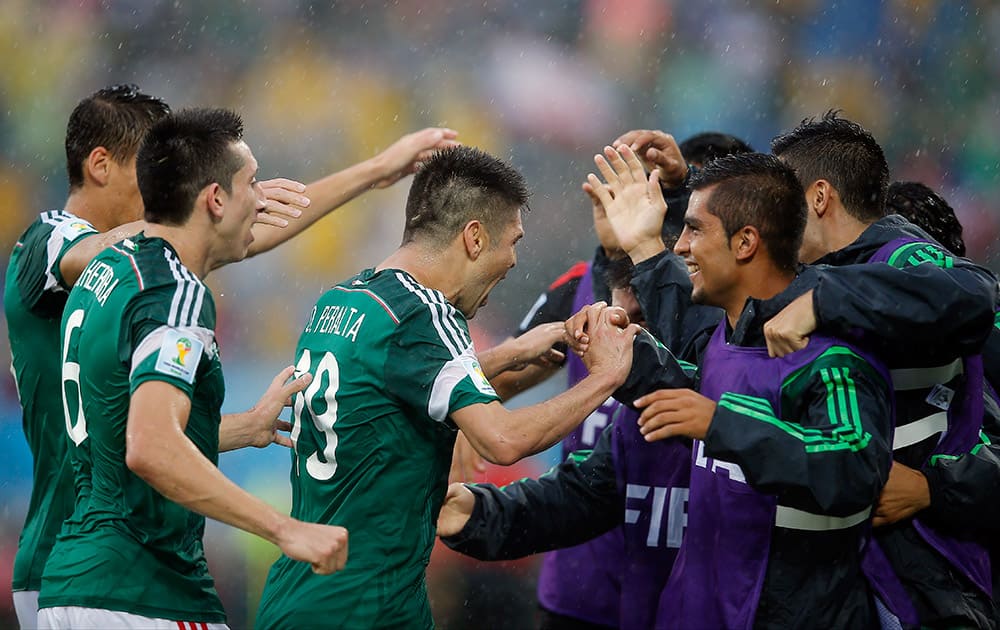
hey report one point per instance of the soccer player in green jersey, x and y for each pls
(143, 389)
(102, 138)
(395, 375)
(104, 205)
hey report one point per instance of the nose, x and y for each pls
(261, 198)
(681, 247)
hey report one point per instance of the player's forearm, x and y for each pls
(529, 430)
(511, 383)
(79, 256)
(234, 432)
(325, 195)
(171, 464)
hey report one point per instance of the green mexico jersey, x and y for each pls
(34, 295)
(391, 360)
(135, 315)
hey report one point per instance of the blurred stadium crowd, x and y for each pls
(322, 85)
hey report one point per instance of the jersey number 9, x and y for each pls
(322, 410)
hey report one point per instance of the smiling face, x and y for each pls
(240, 206)
(492, 265)
(707, 252)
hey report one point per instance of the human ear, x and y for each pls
(818, 197)
(475, 238)
(98, 165)
(746, 242)
(215, 200)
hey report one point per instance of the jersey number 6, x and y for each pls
(71, 374)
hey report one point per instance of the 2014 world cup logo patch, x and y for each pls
(179, 355)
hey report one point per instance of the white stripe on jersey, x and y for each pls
(450, 375)
(57, 219)
(188, 288)
(448, 311)
(442, 315)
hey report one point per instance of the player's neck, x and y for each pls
(762, 283)
(190, 247)
(90, 205)
(432, 269)
(844, 230)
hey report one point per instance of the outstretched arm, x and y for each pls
(927, 306)
(260, 425)
(158, 451)
(301, 206)
(77, 257)
(504, 437)
(572, 503)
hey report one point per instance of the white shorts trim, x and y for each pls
(77, 617)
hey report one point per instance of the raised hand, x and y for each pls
(404, 156)
(602, 227)
(633, 204)
(659, 150)
(285, 199)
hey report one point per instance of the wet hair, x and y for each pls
(760, 190)
(704, 147)
(115, 118)
(618, 273)
(181, 155)
(697, 151)
(458, 185)
(845, 154)
(927, 210)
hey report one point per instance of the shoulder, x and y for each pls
(167, 290)
(838, 364)
(426, 315)
(67, 226)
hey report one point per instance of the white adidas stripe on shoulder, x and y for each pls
(442, 315)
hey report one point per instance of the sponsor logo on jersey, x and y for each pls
(179, 355)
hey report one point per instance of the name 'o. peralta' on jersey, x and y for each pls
(391, 361)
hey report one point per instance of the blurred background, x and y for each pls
(322, 85)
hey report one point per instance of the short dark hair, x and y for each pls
(116, 118)
(927, 210)
(457, 185)
(760, 190)
(845, 154)
(706, 146)
(181, 155)
(618, 273)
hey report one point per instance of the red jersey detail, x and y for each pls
(576, 271)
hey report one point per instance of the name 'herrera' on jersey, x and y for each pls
(98, 278)
(338, 320)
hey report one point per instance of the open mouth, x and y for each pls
(692, 267)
